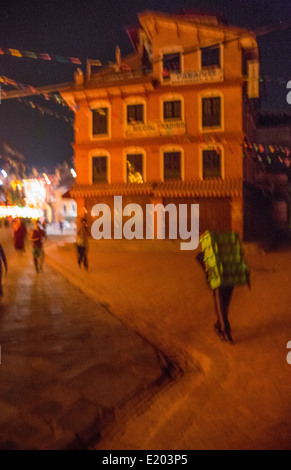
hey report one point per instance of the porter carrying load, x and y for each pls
(225, 266)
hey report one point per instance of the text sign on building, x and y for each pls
(155, 129)
(253, 79)
(211, 74)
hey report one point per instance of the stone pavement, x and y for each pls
(67, 364)
(227, 397)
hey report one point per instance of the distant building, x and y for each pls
(167, 123)
(270, 173)
(46, 193)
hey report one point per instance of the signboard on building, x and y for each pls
(253, 79)
(153, 129)
(209, 74)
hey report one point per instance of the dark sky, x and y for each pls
(92, 29)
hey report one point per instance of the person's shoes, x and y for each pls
(229, 339)
(219, 332)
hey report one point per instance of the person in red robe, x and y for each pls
(19, 235)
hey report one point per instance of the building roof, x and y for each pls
(195, 20)
(166, 189)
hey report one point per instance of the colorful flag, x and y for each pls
(45, 57)
(31, 55)
(75, 60)
(15, 52)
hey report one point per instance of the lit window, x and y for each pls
(135, 113)
(100, 121)
(99, 169)
(211, 164)
(134, 164)
(211, 112)
(210, 56)
(172, 165)
(172, 110)
(171, 63)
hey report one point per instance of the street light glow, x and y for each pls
(23, 212)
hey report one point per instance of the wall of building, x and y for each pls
(117, 145)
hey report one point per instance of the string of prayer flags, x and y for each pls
(20, 86)
(276, 156)
(46, 111)
(41, 56)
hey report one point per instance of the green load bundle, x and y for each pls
(224, 259)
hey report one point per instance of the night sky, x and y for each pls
(92, 29)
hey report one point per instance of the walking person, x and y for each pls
(82, 243)
(19, 235)
(2, 261)
(37, 237)
(224, 265)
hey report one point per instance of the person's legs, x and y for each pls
(217, 325)
(85, 258)
(79, 254)
(225, 294)
(82, 256)
(35, 258)
(41, 258)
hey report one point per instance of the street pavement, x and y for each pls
(225, 396)
(181, 388)
(67, 364)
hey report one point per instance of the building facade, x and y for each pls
(167, 123)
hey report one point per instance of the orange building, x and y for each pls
(167, 123)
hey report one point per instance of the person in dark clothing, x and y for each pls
(82, 243)
(2, 261)
(37, 236)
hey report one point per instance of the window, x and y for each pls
(134, 163)
(211, 160)
(172, 165)
(210, 56)
(135, 113)
(172, 110)
(99, 170)
(100, 121)
(171, 63)
(211, 112)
